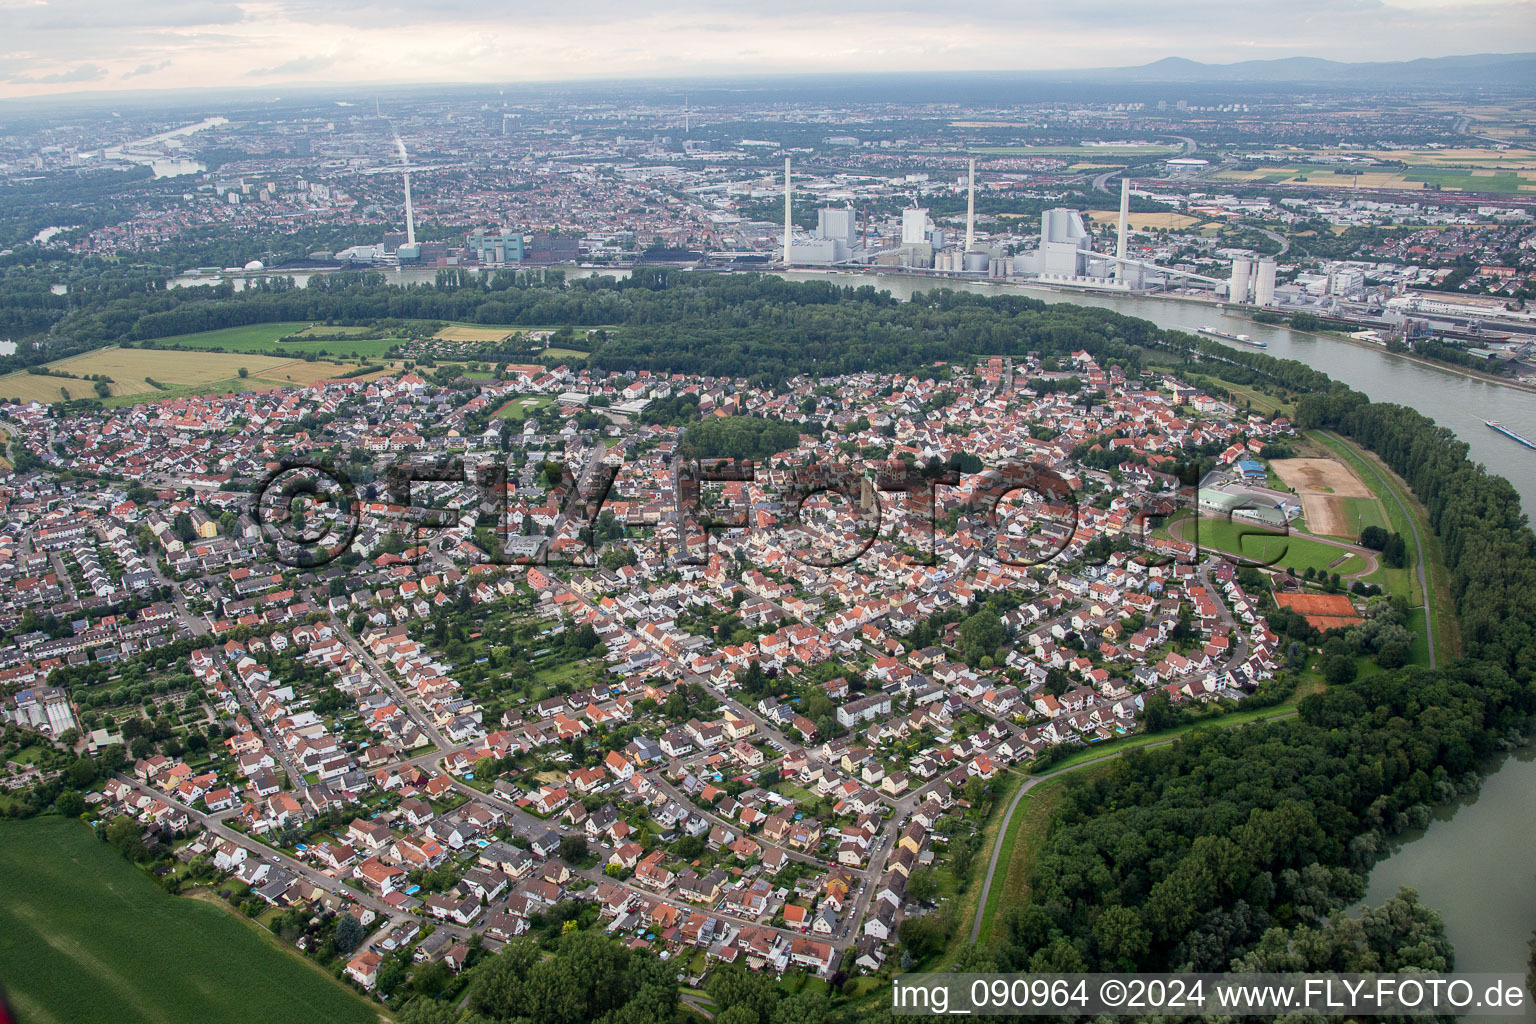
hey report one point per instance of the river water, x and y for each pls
(1475, 864)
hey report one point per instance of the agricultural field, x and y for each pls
(178, 373)
(251, 338)
(86, 936)
(1510, 177)
(1145, 221)
(128, 368)
(1128, 149)
(472, 332)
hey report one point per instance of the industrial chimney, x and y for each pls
(788, 225)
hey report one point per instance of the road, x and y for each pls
(296, 867)
(1418, 542)
(387, 680)
(1030, 783)
(1285, 243)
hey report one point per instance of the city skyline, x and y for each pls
(90, 46)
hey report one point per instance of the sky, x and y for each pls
(60, 46)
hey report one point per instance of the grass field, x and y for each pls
(1293, 551)
(1027, 830)
(522, 408)
(86, 936)
(263, 338)
(564, 353)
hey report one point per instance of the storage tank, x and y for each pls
(977, 261)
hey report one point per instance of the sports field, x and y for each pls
(86, 936)
(522, 408)
(1335, 500)
(1271, 550)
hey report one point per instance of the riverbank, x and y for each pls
(1476, 839)
(1096, 296)
(1433, 364)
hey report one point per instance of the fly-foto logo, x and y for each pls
(827, 513)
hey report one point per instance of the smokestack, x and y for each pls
(970, 209)
(405, 170)
(1125, 223)
(788, 226)
(410, 214)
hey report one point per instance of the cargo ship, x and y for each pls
(1241, 339)
(1501, 428)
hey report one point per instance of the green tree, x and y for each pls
(349, 934)
(70, 804)
(980, 634)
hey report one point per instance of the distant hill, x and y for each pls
(1497, 70)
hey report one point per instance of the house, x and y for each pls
(364, 968)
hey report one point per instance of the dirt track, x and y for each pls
(1322, 484)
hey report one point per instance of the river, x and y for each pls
(1474, 863)
(157, 152)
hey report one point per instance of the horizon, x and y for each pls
(88, 46)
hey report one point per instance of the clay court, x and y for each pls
(1322, 611)
(1324, 485)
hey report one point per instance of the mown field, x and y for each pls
(522, 408)
(263, 338)
(1292, 551)
(86, 936)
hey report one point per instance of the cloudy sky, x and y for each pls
(54, 46)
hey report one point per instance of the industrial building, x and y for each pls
(496, 248)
